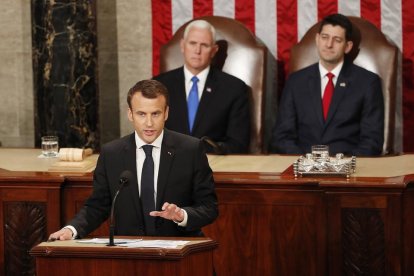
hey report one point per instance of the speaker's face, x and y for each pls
(148, 116)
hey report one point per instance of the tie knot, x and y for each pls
(147, 149)
(330, 75)
(194, 79)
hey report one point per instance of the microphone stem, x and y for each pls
(112, 224)
(111, 235)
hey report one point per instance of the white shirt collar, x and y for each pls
(202, 76)
(157, 142)
(335, 71)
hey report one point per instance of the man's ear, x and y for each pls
(167, 109)
(349, 45)
(215, 50)
(130, 115)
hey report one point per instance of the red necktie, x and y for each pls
(327, 94)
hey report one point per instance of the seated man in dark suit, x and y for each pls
(333, 102)
(171, 188)
(204, 101)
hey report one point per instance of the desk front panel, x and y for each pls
(29, 211)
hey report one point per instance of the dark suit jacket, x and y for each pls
(355, 122)
(184, 178)
(223, 112)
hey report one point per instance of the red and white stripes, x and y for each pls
(282, 23)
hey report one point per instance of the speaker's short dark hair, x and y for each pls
(150, 89)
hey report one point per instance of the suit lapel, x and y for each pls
(210, 88)
(166, 159)
(129, 153)
(315, 93)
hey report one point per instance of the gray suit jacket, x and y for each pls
(184, 178)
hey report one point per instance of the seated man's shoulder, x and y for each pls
(305, 72)
(363, 72)
(223, 76)
(169, 74)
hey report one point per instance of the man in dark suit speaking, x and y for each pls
(175, 197)
(204, 101)
(333, 102)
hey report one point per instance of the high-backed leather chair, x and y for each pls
(240, 54)
(371, 51)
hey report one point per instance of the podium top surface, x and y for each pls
(72, 248)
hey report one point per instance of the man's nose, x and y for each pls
(148, 121)
(198, 48)
(330, 42)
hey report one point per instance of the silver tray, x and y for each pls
(330, 166)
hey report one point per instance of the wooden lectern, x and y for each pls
(72, 258)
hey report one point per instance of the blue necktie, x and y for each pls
(147, 190)
(192, 102)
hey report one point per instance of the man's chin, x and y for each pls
(149, 137)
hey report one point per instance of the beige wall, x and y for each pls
(121, 64)
(16, 77)
(134, 50)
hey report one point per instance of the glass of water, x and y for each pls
(320, 153)
(50, 146)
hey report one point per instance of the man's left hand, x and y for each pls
(169, 211)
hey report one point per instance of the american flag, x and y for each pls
(282, 23)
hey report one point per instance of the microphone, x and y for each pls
(123, 181)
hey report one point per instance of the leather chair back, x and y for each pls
(371, 51)
(240, 54)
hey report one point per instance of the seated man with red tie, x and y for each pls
(204, 101)
(333, 102)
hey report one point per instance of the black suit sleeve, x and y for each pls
(371, 136)
(284, 135)
(204, 209)
(238, 126)
(97, 207)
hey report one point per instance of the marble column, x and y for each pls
(65, 71)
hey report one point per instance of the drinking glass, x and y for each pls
(50, 146)
(320, 153)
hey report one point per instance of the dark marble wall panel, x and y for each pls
(65, 71)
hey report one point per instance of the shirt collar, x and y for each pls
(202, 76)
(157, 142)
(335, 71)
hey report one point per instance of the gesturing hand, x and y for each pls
(169, 211)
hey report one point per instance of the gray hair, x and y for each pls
(202, 24)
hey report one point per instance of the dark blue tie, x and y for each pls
(147, 190)
(192, 103)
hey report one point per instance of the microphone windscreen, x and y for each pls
(125, 177)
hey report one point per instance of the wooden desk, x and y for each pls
(269, 224)
(72, 258)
